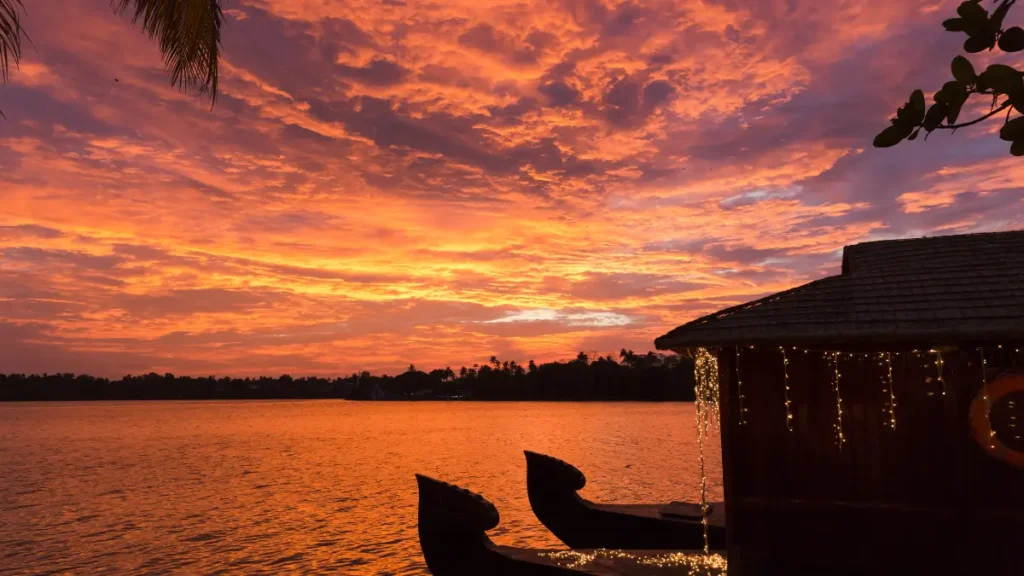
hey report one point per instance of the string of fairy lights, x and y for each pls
(890, 406)
(840, 439)
(705, 368)
(785, 371)
(988, 401)
(739, 390)
(707, 380)
(707, 388)
(706, 376)
(940, 365)
(707, 391)
(1013, 421)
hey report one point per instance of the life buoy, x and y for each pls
(981, 423)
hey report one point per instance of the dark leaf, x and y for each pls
(954, 95)
(953, 111)
(1017, 148)
(914, 135)
(912, 113)
(916, 107)
(975, 18)
(1012, 130)
(976, 44)
(936, 113)
(1012, 40)
(1018, 102)
(892, 135)
(968, 10)
(1003, 79)
(963, 70)
(954, 25)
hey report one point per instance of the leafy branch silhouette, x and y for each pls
(1004, 84)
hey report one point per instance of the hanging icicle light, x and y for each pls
(739, 388)
(988, 401)
(939, 364)
(785, 372)
(887, 358)
(706, 375)
(1013, 420)
(840, 439)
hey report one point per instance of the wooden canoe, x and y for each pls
(452, 529)
(552, 485)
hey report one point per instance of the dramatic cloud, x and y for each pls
(386, 183)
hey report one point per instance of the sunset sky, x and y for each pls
(394, 182)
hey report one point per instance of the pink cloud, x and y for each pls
(380, 182)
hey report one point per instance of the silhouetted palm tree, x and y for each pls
(188, 32)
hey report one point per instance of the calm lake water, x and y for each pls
(304, 486)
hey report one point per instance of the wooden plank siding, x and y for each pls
(922, 498)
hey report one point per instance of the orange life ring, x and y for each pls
(982, 426)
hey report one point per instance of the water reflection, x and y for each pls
(309, 487)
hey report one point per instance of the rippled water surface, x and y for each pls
(305, 486)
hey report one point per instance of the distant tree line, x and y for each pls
(647, 377)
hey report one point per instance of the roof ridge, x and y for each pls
(865, 253)
(921, 239)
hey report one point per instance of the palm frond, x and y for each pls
(188, 32)
(11, 33)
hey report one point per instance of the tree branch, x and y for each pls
(1004, 106)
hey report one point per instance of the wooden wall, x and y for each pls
(922, 496)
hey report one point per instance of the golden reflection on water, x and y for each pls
(306, 486)
(695, 563)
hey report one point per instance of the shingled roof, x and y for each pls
(918, 292)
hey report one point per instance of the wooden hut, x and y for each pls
(871, 421)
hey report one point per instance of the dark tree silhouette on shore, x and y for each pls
(652, 377)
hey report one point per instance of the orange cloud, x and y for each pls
(433, 183)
